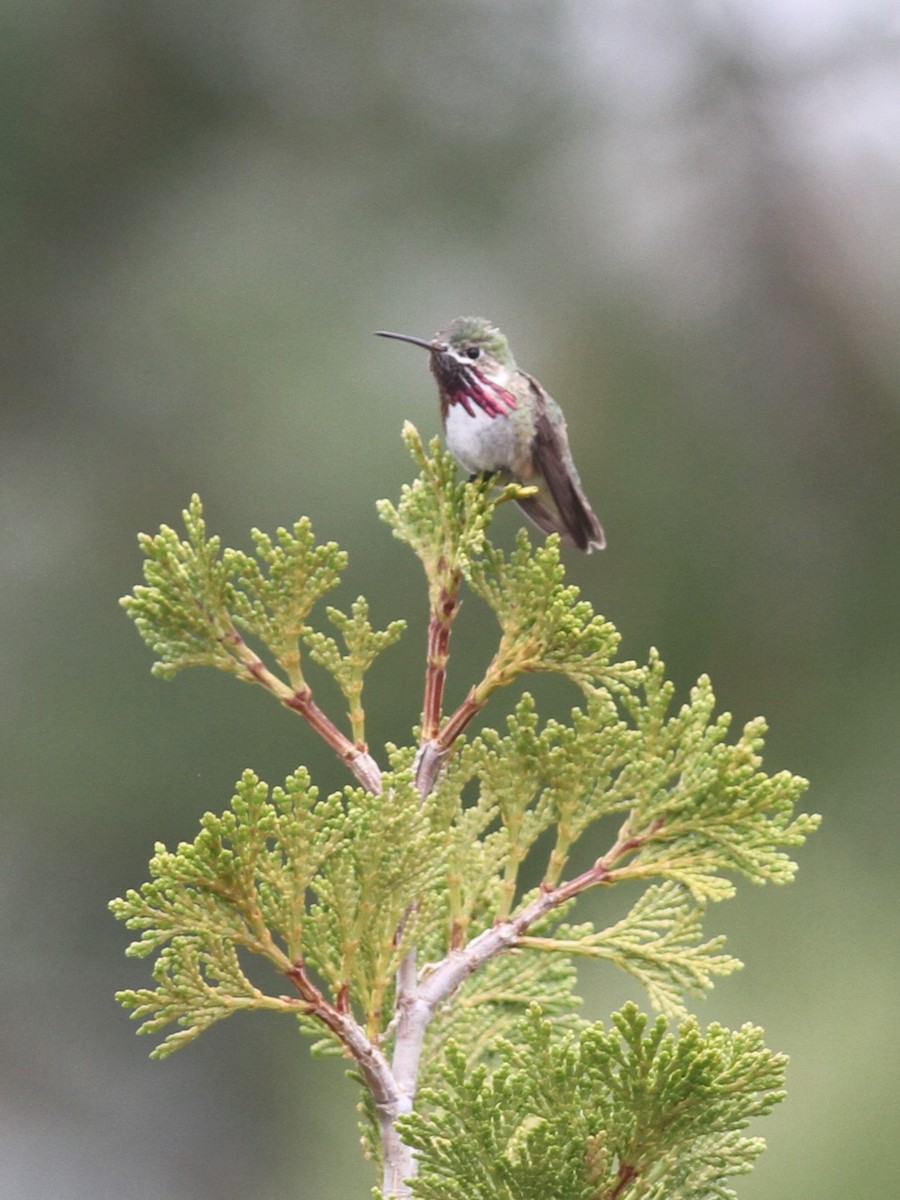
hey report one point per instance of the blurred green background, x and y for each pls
(685, 217)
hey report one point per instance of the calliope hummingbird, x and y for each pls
(498, 418)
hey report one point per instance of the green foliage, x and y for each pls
(329, 881)
(182, 611)
(695, 806)
(373, 896)
(276, 591)
(395, 913)
(291, 877)
(545, 627)
(198, 603)
(704, 804)
(658, 943)
(442, 518)
(363, 645)
(200, 982)
(633, 1113)
(562, 775)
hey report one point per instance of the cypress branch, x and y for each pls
(397, 911)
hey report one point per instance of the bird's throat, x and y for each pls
(472, 390)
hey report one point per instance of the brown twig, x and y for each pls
(300, 700)
(458, 720)
(374, 1068)
(434, 751)
(443, 614)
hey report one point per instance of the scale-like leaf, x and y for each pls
(632, 1112)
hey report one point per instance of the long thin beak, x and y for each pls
(407, 337)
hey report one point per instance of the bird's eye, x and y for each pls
(473, 352)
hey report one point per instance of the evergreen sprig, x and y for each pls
(294, 878)
(414, 918)
(563, 775)
(195, 598)
(658, 942)
(702, 805)
(544, 625)
(629, 1113)
(199, 982)
(196, 602)
(182, 612)
(443, 518)
(363, 645)
(277, 590)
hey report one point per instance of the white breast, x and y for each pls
(479, 442)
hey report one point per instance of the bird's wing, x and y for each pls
(554, 461)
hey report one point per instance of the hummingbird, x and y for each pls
(498, 419)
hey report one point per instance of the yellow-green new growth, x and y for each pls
(443, 518)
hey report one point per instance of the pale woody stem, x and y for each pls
(412, 1016)
(372, 1064)
(417, 1008)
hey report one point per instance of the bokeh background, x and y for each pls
(686, 218)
